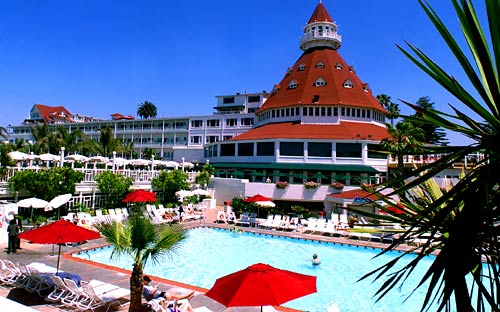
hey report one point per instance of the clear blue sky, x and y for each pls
(98, 57)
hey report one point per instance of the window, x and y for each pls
(253, 98)
(252, 109)
(315, 99)
(335, 111)
(196, 123)
(196, 139)
(319, 149)
(301, 67)
(304, 111)
(320, 82)
(227, 149)
(320, 65)
(348, 84)
(323, 111)
(212, 138)
(292, 85)
(273, 113)
(276, 88)
(358, 113)
(352, 150)
(348, 111)
(342, 111)
(247, 121)
(213, 123)
(231, 122)
(339, 66)
(265, 149)
(245, 149)
(227, 137)
(292, 148)
(329, 111)
(228, 100)
(375, 151)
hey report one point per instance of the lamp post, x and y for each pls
(183, 159)
(61, 163)
(152, 162)
(114, 158)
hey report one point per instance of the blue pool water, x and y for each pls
(209, 253)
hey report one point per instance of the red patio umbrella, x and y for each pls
(140, 196)
(261, 285)
(257, 198)
(59, 232)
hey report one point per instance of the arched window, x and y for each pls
(339, 66)
(292, 84)
(301, 67)
(320, 65)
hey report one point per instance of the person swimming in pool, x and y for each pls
(315, 260)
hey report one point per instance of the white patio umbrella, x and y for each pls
(200, 192)
(139, 162)
(33, 202)
(119, 161)
(183, 193)
(48, 157)
(266, 204)
(77, 158)
(58, 201)
(17, 155)
(98, 159)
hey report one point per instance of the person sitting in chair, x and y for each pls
(151, 292)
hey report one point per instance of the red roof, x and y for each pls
(341, 131)
(335, 72)
(351, 194)
(118, 116)
(53, 113)
(320, 14)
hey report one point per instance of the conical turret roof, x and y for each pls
(320, 14)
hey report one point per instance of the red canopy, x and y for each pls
(257, 198)
(261, 285)
(59, 232)
(140, 196)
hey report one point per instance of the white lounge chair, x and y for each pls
(221, 217)
(311, 225)
(106, 299)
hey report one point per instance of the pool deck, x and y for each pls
(47, 254)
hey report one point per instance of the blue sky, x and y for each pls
(100, 57)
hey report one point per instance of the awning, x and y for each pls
(289, 166)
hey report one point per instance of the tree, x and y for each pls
(141, 240)
(46, 183)
(115, 186)
(405, 139)
(391, 107)
(203, 178)
(432, 133)
(3, 133)
(169, 182)
(148, 153)
(467, 216)
(147, 110)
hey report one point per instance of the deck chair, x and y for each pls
(60, 290)
(343, 221)
(268, 222)
(311, 226)
(106, 299)
(78, 298)
(320, 226)
(7, 275)
(244, 219)
(221, 217)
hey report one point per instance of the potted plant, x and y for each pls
(281, 184)
(311, 185)
(337, 185)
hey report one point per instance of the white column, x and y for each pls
(61, 163)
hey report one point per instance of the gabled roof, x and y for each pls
(335, 72)
(342, 131)
(320, 14)
(118, 116)
(51, 114)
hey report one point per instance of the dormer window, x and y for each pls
(320, 65)
(366, 87)
(289, 71)
(348, 84)
(339, 66)
(351, 69)
(320, 82)
(293, 84)
(301, 67)
(276, 88)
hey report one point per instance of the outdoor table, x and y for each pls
(179, 291)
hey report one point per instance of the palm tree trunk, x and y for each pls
(136, 285)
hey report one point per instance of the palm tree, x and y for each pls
(432, 133)
(141, 240)
(466, 268)
(405, 139)
(3, 133)
(147, 110)
(391, 107)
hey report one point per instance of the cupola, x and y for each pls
(320, 31)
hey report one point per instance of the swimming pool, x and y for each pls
(209, 253)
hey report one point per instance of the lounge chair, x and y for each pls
(106, 299)
(60, 290)
(231, 217)
(244, 219)
(268, 222)
(276, 222)
(293, 224)
(320, 226)
(221, 217)
(311, 226)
